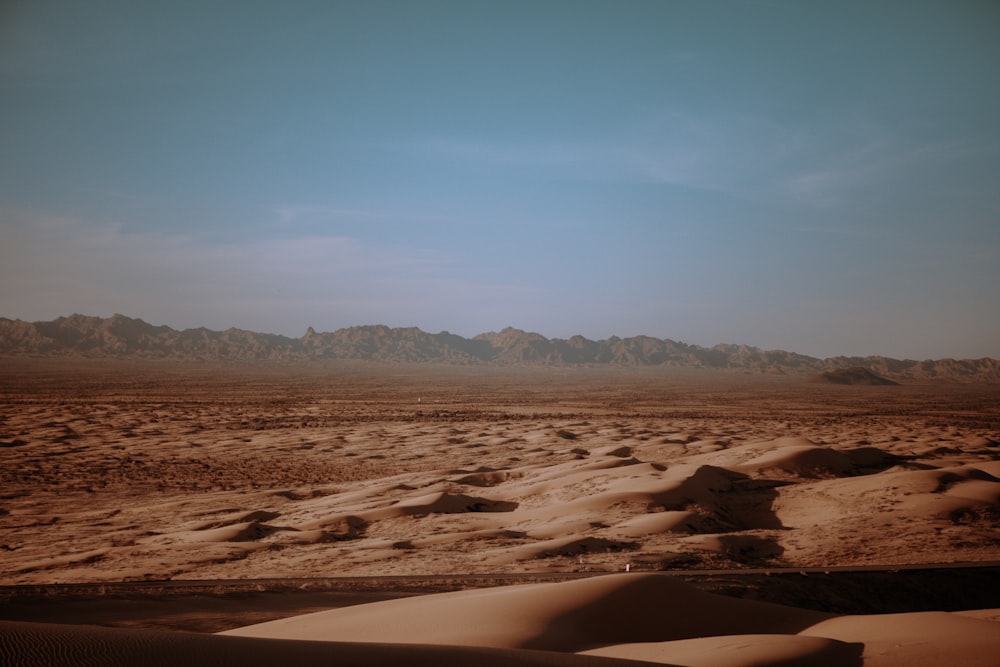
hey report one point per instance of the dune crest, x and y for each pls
(593, 471)
(651, 618)
(47, 644)
(141, 473)
(568, 616)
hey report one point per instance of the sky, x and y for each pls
(819, 177)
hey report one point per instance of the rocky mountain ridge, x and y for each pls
(124, 337)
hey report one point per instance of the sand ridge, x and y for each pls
(637, 618)
(46, 645)
(128, 473)
(375, 471)
(653, 618)
(568, 616)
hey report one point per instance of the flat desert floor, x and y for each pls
(128, 471)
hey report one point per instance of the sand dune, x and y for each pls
(815, 503)
(569, 616)
(741, 651)
(608, 620)
(129, 472)
(233, 484)
(48, 645)
(929, 638)
(652, 618)
(803, 460)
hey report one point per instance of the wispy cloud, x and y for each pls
(738, 154)
(822, 163)
(727, 153)
(300, 214)
(56, 265)
(839, 163)
(291, 215)
(545, 153)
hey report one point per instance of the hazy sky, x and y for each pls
(822, 177)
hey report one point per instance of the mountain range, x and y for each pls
(125, 337)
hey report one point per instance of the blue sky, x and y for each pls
(822, 177)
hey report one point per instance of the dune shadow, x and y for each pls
(750, 549)
(749, 503)
(660, 608)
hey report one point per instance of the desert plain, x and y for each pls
(492, 515)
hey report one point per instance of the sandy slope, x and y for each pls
(608, 620)
(650, 617)
(50, 645)
(141, 472)
(181, 473)
(568, 616)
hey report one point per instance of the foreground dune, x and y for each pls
(651, 618)
(49, 645)
(568, 616)
(621, 619)
(741, 651)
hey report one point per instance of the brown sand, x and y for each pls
(644, 617)
(123, 471)
(45, 645)
(653, 618)
(567, 616)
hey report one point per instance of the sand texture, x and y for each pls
(637, 618)
(651, 618)
(126, 471)
(44, 645)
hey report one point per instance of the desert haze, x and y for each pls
(781, 511)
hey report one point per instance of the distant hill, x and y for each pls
(124, 337)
